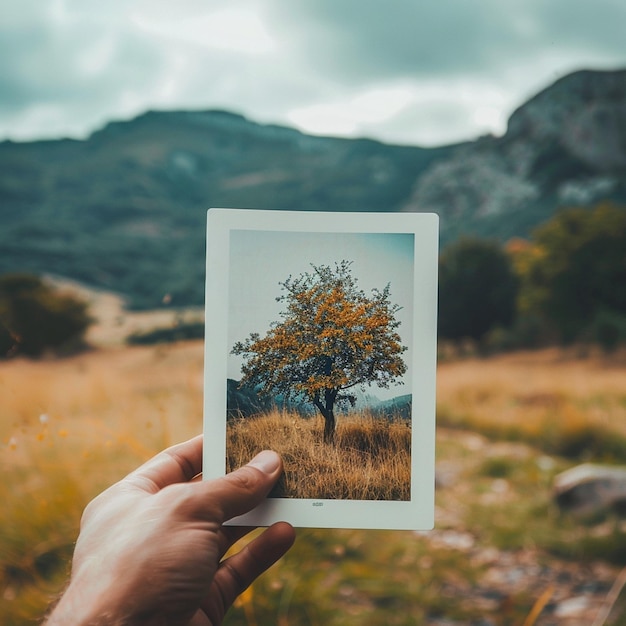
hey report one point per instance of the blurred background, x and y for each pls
(122, 122)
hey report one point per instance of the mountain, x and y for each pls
(565, 146)
(398, 407)
(125, 209)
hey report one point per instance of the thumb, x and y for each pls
(245, 488)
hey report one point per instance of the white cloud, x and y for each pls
(427, 113)
(349, 115)
(98, 56)
(238, 30)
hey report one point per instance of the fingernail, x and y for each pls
(267, 461)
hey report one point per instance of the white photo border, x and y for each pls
(414, 514)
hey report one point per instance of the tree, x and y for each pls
(477, 289)
(575, 271)
(333, 337)
(34, 317)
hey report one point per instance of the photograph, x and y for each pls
(321, 345)
(319, 337)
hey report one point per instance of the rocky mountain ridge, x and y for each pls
(565, 146)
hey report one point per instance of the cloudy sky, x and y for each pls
(403, 71)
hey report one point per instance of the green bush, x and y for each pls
(178, 332)
(477, 289)
(35, 318)
(608, 329)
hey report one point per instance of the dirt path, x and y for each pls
(113, 323)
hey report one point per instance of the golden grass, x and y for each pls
(68, 429)
(370, 459)
(571, 406)
(97, 397)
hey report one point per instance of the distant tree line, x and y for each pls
(565, 284)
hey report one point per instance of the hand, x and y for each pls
(150, 547)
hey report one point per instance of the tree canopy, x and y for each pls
(333, 337)
(574, 272)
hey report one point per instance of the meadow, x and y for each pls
(501, 552)
(566, 402)
(370, 459)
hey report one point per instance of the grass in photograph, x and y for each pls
(369, 460)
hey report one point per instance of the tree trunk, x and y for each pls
(329, 427)
(326, 409)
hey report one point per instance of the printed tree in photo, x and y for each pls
(333, 337)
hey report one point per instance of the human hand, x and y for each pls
(150, 547)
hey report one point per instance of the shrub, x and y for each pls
(608, 329)
(477, 289)
(35, 318)
(179, 332)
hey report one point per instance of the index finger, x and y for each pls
(177, 464)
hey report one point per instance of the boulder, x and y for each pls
(590, 489)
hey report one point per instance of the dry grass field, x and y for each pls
(70, 427)
(370, 460)
(563, 403)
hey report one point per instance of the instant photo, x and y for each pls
(321, 344)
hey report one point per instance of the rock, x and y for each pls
(572, 607)
(590, 489)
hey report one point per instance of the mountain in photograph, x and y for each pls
(244, 401)
(125, 209)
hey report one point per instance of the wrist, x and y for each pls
(80, 608)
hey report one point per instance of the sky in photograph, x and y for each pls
(402, 71)
(261, 260)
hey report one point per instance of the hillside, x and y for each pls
(125, 208)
